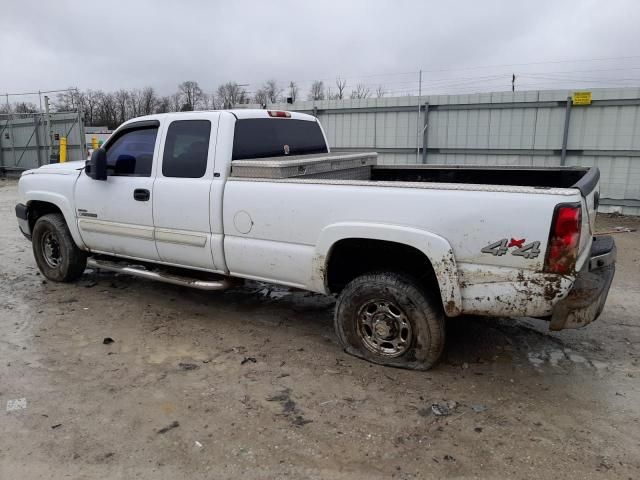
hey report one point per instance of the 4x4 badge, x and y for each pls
(501, 247)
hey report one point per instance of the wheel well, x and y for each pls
(38, 208)
(353, 257)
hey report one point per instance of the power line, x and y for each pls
(38, 93)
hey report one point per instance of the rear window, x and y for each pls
(275, 137)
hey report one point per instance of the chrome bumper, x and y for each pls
(587, 297)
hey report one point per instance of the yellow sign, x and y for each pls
(581, 98)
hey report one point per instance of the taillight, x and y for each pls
(279, 114)
(564, 239)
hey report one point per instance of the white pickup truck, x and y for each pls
(172, 197)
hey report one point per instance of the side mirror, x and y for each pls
(96, 168)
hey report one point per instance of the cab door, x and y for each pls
(182, 191)
(115, 216)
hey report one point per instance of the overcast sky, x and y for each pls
(136, 43)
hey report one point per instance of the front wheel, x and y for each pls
(58, 257)
(387, 318)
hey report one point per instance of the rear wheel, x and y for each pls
(57, 256)
(387, 318)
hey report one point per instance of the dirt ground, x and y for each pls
(251, 383)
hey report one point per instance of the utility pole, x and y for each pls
(418, 129)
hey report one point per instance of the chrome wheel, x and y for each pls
(51, 249)
(384, 328)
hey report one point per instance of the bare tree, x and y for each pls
(341, 84)
(231, 94)
(261, 96)
(106, 110)
(381, 91)
(272, 90)
(361, 91)
(192, 95)
(176, 102)
(24, 107)
(207, 102)
(69, 100)
(317, 90)
(133, 103)
(216, 103)
(293, 91)
(148, 101)
(89, 102)
(163, 105)
(121, 97)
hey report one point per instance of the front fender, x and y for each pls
(65, 207)
(434, 247)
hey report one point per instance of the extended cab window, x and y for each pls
(131, 154)
(186, 148)
(276, 137)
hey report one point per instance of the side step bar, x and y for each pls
(141, 272)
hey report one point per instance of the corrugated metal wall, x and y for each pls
(521, 128)
(24, 139)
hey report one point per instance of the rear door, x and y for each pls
(182, 191)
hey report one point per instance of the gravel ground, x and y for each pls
(251, 383)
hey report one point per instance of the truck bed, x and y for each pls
(363, 166)
(543, 177)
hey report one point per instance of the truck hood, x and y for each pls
(66, 168)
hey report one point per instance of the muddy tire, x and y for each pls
(387, 318)
(57, 256)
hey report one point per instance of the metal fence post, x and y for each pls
(49, 134)
(13, 142)
(565, 135)
(13, 145)
(36, 126)
(82, 155)
(2, 165)
(418, 117)
(375, 128)
(425, 132)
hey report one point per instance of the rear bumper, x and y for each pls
(587, 296)
(22, 214)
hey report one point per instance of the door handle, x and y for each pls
(141, 194)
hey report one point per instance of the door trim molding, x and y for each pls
(165, 235)
(113, 228)
(181, 237)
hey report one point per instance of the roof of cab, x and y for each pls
(239, 113)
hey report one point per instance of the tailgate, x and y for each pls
(589, 186)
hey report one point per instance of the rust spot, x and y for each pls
(450, 308)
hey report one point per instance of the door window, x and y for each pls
(186, 149)
(131, 154)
